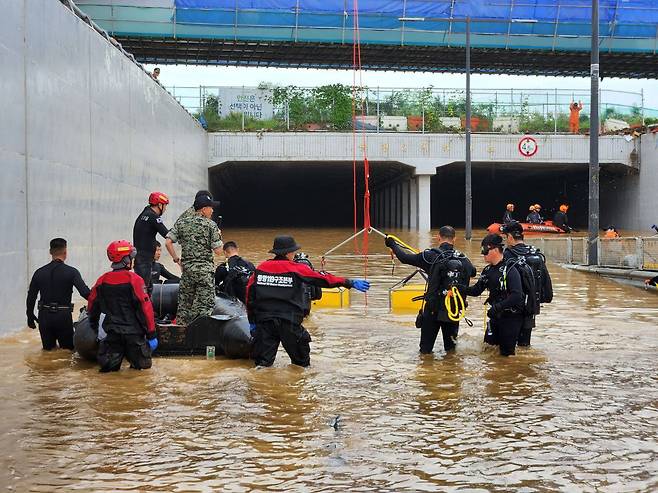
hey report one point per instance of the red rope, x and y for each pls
(356, 61)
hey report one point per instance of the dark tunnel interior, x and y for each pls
(302, 194)
(497, 184)
(314, 194)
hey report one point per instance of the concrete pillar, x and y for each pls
(405, 205)
(398, 205)
(387, 207)
(413, 202)
(424, 202)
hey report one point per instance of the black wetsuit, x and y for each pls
(158, 270)
(147, 225)
(561, 221)
(506, 300)
(508, 218)
(433, 316)
(523, 250)
(54, 282)
(232, 278)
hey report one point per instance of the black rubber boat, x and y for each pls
(227, 329)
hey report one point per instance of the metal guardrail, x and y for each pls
(431, 109)
(621, 253)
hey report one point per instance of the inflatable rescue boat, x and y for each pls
(544, 228)
(227, 329)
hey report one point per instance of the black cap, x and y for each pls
(283, 245)
(203, 200)
(203, 192)
(513, 228)
(490, 242)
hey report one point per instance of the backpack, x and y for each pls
(528, 284)
(537, 262)
(236, 281)
(448, 269)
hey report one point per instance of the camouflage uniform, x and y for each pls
(198, 237)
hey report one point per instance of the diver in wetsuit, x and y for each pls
(54, 282)
(535, 259)
(232, 276)
(147, 225)
(505, 296)
(435, 263)
(158, 270)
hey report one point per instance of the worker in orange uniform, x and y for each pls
(574, 122)
(611, 232)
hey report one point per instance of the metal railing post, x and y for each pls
(378, 117)
(639, 252)
(555, 114)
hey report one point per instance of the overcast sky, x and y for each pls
(190, 75)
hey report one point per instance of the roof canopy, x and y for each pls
(510, 36)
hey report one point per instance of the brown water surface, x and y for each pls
(577, 412)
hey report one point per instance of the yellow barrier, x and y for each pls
(333, 298)
(400, 298)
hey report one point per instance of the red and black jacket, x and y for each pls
(276, 289)
(121, 295)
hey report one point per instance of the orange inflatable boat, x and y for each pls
(544, 228)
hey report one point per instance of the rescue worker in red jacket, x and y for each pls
(122, 297)
(276, 299)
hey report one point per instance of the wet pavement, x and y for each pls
(576, 412)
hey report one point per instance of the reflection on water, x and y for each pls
(577, 411)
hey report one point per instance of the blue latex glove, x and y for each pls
(153, 344)
(252, 328)
(361, 285)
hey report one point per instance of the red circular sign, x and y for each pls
(528, 146)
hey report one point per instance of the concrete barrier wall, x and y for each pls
(631, 202)
(425, 152)
(85, 134)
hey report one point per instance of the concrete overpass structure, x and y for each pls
(403, 164)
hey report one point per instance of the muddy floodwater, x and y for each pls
(576, 412)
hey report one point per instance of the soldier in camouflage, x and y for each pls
(190, 210)
(199, 237)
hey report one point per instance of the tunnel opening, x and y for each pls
(295, 194)
(494, 185)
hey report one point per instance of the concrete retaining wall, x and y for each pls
(631, 202)
(85, 134)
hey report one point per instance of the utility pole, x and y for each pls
(593, 222)
(469, 191)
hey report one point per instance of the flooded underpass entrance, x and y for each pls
(302, 194)
(497, 184)
(576, 412)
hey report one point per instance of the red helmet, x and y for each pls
(118, 250)
(157, 198)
